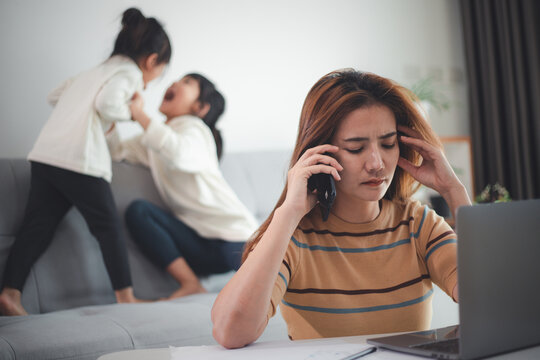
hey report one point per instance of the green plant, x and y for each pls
(493, 193)
(425, 90)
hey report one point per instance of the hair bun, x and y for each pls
(140, 37)
(132, 17)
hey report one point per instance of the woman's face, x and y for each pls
(368, 152)
(181, 98)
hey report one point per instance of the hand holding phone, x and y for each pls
(316, 169)
(326, 191)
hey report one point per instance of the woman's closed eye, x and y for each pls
(360, 149)
(355, 151)
(389, 146)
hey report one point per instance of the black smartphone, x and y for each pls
(326, 191)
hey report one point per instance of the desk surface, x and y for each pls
(165, 354)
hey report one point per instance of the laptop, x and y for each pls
(498, 282)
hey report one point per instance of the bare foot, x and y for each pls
(137, 300)
(126, 296)
(10, 303)
(181, 272)
(187, 290)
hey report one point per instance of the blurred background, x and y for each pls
(263, 55)
(476, 61)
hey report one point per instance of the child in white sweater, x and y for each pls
(70, 161)
(205, 226)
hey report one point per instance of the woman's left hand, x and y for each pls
(435, 170)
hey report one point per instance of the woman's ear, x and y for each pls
(201, 109)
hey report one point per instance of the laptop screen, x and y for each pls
(498, 277)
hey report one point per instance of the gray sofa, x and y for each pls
(68, 292)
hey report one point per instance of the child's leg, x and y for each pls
(231, 252)
(93, 197)
(168, 243)
(45, 208)
(181, 272)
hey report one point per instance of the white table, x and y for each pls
(164, 353)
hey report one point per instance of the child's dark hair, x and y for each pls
(209, 95)
(140, 37)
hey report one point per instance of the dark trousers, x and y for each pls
(53, 191)
(164, 238)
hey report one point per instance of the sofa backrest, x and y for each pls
(258, 178)
(71, 272)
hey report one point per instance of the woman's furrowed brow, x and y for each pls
(357, 139)
(388, 135)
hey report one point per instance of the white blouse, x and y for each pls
(85, 107)
(182, 158)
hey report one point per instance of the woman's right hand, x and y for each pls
(299, 199)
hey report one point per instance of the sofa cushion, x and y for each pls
(88, 332)
(258, 178)
(14, 186)
(62, 336)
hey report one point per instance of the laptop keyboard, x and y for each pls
(450, 346)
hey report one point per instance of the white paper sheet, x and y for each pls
(323, 349)
(269, 351)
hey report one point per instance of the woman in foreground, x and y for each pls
(370, 266)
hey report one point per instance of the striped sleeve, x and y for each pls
(437, 246)
(283, 278)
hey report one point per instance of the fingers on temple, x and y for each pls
(406, 165)
(424, 148)
(409, 132)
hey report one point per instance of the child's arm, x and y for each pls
(130, 150)
(112, 101)
(186, 150)
(54, 95)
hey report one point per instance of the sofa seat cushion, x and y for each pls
(89, 332)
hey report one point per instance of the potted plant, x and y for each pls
(429, 97)
(493, 193)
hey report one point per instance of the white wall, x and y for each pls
(264, 56)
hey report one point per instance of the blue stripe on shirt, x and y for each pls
(284, 279)
(349, 250)
(421, 223)
(447, 241)
(362, 250)
(359, 310)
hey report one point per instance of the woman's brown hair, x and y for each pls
(330, 100)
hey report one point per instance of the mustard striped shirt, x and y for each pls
(342, 279)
